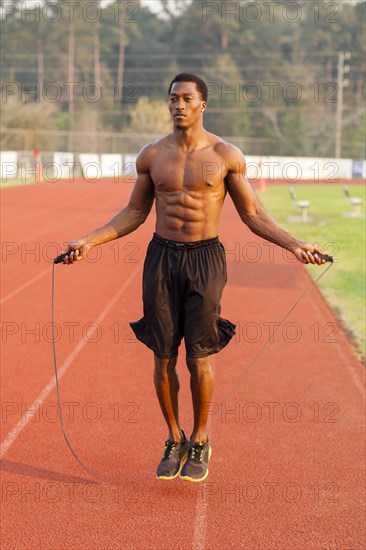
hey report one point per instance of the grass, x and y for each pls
(5, 183)
(30, 179)
(342, 237)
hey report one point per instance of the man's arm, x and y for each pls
(256, 218)
(126, 220)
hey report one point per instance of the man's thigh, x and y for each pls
(161, 299)
(202, 302)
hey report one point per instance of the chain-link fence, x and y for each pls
(17, 139)
(103, 142)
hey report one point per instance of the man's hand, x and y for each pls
(307, 253)
(76, 250)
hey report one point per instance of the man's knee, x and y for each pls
(164, 367)
(198, 365)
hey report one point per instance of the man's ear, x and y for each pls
(204, 105)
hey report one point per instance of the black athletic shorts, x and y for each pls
(182, 287)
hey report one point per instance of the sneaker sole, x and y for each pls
(178, 472)
(192, 479)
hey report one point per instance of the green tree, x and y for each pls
(150, 116)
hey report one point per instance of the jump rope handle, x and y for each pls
(324, 257)
(59, 259)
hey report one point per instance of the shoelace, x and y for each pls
(169, 448)
(197, 448)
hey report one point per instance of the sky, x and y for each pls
(154, 5)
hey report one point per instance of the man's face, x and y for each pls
(185, 104)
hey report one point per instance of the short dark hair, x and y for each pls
(189, 77)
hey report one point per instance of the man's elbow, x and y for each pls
(250, 215)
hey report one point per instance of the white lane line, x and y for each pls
(39, 275)
(357, 376)
(200, 521)
(26, 417)
(7, 222)
(50, 230)
(62, 224)
(25, 285)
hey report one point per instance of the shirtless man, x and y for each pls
(188, 174)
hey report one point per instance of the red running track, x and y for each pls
(288, 464)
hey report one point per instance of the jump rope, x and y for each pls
(61, 258)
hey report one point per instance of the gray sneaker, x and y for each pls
(173, 458)
(196, 467)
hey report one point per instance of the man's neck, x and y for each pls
(190, 139)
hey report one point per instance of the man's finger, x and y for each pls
(320, 258)
(311, 258)
(308, 256)
(317, 259)
(304, 257)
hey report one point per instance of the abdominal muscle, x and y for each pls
(187, 217)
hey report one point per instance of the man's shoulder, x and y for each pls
(154, 146)
(149, 151)
(228, 151)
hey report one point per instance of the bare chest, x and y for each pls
(200, 170)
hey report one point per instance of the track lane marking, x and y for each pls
(26, 417)
(200, 520)
(24, 286)
(39, 275)
(355, 375)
